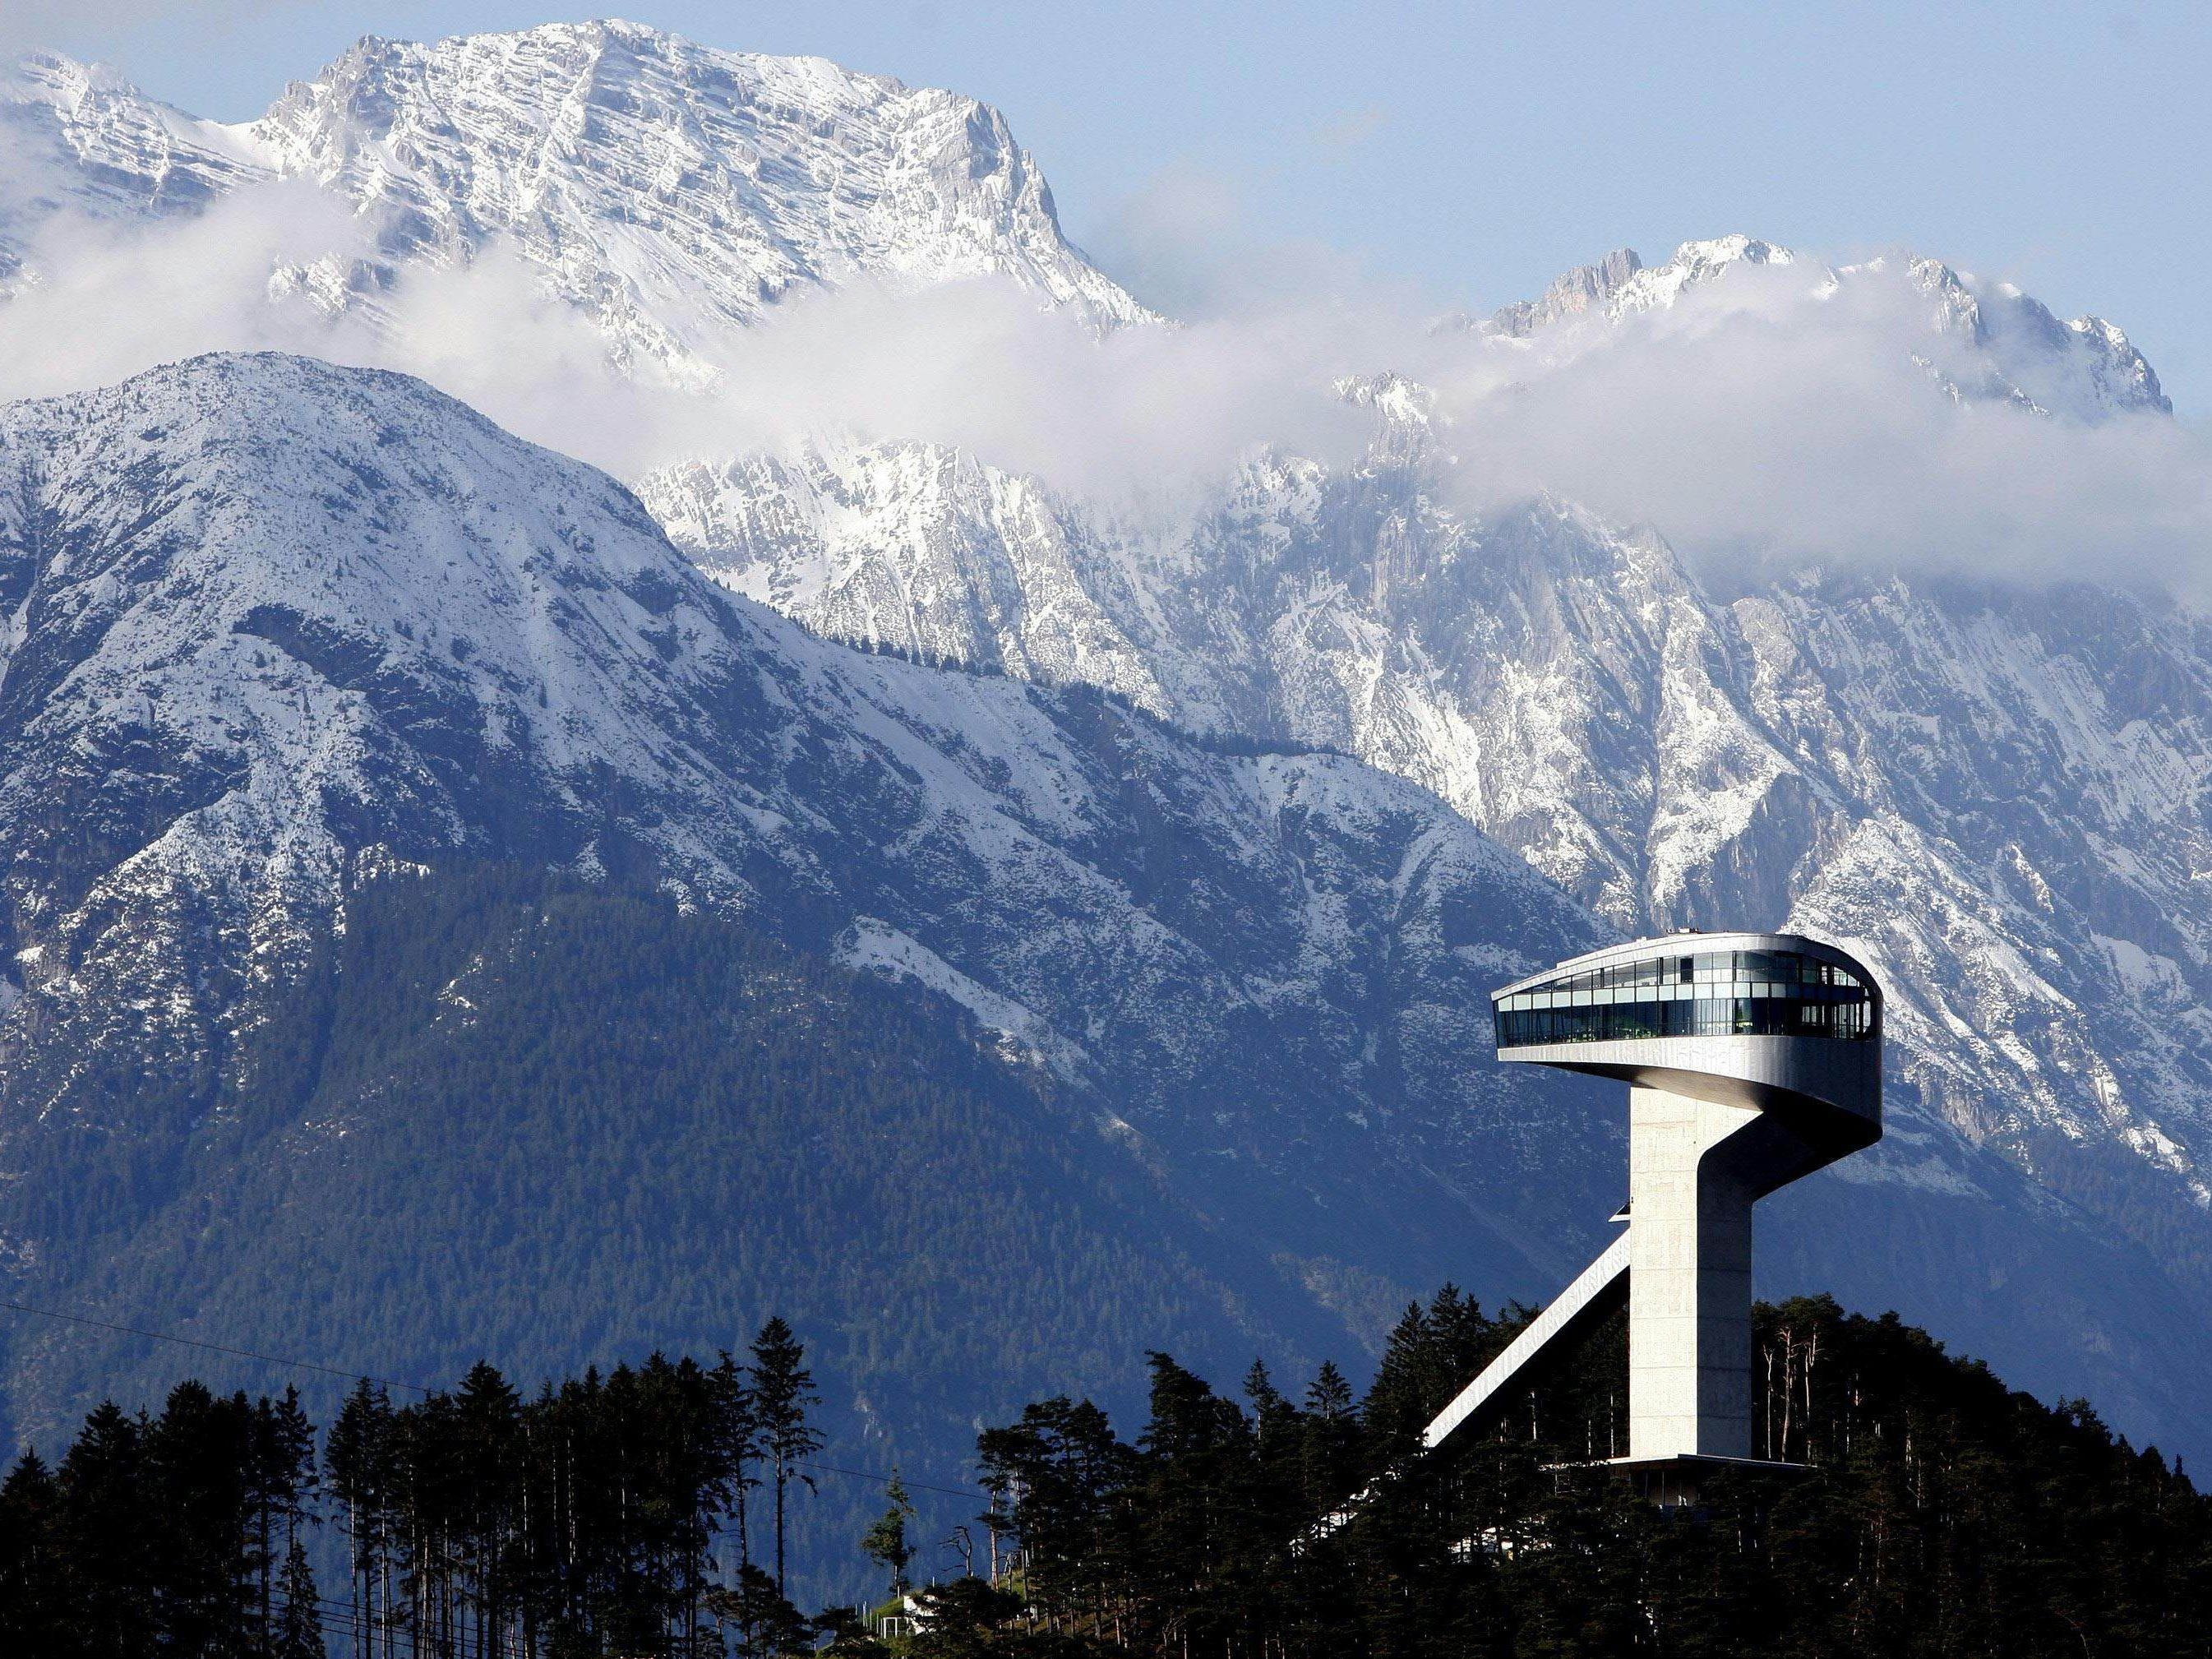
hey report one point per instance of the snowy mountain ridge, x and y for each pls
(2083, 368)
(664, 188)
(81, 133)
(1997, 796)
(1997, 792)
(277, 624)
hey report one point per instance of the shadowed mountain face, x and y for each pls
(1995, 796)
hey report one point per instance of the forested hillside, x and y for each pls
(654, 1122)
(1941, 1514)
(644, 1512)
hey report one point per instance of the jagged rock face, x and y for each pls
(665, 189)
(81, 133)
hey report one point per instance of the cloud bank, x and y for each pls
(1768, 419)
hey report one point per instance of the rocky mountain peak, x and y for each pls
(1572, 294)
(1995, 342)
(1621, 284)
(666, 186)
(667, 190)
(82, 133)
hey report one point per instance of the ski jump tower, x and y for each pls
(1751, 1060)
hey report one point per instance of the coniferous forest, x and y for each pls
(649, 1512)
(506, 1115)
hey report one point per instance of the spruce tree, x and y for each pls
(358, 1458)
(298, 1632)
(782, 1390)
(34, 1588)
(109, 1552)
(738, 1423)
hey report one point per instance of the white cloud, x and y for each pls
(1762, 419)
(979, 365)
(1768, 420)
(1184, 245)
(99, 301)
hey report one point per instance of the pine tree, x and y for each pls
(300, 1627)
(203, 1468)
(768, 1624)
(739, 1418)
(358, 1456)
(485, 1462)
(280, 1489)
(781, 1390)
(107, 1549)
(34, 1593)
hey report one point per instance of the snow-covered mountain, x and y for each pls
(275, 619)
(79, 137)
(277, 627)
(278, 630)
(2018, 350)
(1998, 796)
(664, 188)
(1996, 793)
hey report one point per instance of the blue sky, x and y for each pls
(1470, 151)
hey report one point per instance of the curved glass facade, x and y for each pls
(1695, 993)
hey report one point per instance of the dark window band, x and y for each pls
(1709, 994)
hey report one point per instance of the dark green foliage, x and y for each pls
(475, 1524)
(180, 1534)
(780, 1392)
(887, 1542)
(34, 1576)
(1941, 1515)
(971, 1618)
(299, 1630)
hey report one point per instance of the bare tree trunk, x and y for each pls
(779, 1522)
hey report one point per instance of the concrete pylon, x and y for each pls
(1751, 1059)
(1695, 1168)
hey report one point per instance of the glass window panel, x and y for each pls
(1617, 1015)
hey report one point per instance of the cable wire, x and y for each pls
(217, 1348)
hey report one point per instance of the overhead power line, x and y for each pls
(216, 1347)
(886, 1479)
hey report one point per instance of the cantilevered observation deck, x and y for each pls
(1751, 1059)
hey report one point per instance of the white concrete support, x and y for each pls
(1695, 1168)
(1689, 1279)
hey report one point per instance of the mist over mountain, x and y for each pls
(1598, 599)
(581, 228)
